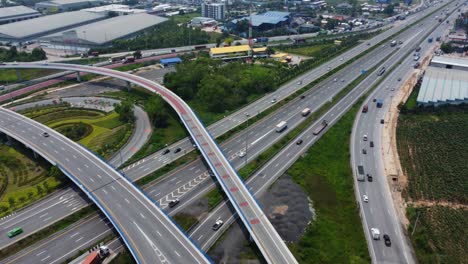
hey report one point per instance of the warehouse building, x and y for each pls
(17, 13)
(56, 6)
(32, 29)
(445, 81)
(102, 33)
(120, 10)
(266, 21)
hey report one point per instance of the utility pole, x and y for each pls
(249, 59)
(246, 138)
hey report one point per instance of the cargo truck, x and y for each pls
(393, 43)
(281, 126)
(379, 103)
(375, 233)
(97, 256)
(323, 125)
(360, 175)
(305, 112)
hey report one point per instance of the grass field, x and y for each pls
(310, 51)
(433, 151)
(9, 76)
(440, 235)
(106, 133)
(23, 180)
(336, 236)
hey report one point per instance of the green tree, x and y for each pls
(157, 112)
(228, 41)
(446, 47)
(213, 92)
(125, 111)
(38, 54)
(137, 54)
(11, 201)
(30, 195)
(22, 199)
(389, 10)
(39, 189)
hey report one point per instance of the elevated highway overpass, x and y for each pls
(157, 248)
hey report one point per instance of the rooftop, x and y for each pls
(460, 62)
(16, 11)
(109, 29)
(270, 17)
(46, 24)
(68, 2)
(443, 85)
(231, 49)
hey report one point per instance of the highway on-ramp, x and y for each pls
(139, 221)
(269, 242)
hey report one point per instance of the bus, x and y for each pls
(281, 126)
(14, 232)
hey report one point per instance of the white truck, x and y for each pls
(360, 175)
(375, 233)
(281, 126)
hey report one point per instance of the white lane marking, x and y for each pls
(67, 159)
(178, 182)
(158, 233)
(127, 200)
(100, 177)
(91, 179)
(47, 219)
(200, 237)
(142, 216)
(45, 258)
(260, 138)
(192, 168)
(74, 235)
(104, 191)
(197, 171)
(147, 169)
(43, 215)
(78, 169)
(160, 255)
(86, 165)
(177, 253)
(78, 239)
(40, 253)
(74, 157)
(113, 188)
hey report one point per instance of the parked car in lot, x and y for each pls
(217, 224)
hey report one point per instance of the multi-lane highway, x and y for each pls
(192, 169)
(269, 242)
(379, 211)
(153, 190)
(138, 220)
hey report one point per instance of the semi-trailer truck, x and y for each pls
(322, 126)
(96, 256)
(281, 126)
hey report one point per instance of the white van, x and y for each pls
(305, 112)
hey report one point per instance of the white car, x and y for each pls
(242, 154)
(364, 138)
(217, 224)
(273, 100)
(365, 198)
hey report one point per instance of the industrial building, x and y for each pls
(266, 21)
(56, 6)
(102, 33)
(17, 13)
(213, 10)
(445, 81)
(120, 10)
(237, 52)
(32, 29)
(203, 22)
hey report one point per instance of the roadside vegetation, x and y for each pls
(12, 54)
(432, 148)
(24, 179)
(8, 76)
(103, 133)
(336, 236)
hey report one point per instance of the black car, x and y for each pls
(375, 99)
(364, 151)
(382, 121)
(45, 134)
(387, 240)
(166, 151)
(369, 178)
(177, 150)
(173, 203)
(302, 96)
(372, 144)
(298, 142)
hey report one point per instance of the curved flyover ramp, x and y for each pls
(261, 230)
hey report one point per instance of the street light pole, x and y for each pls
(246, 137)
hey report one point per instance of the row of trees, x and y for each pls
(218, 86)
(13, 54)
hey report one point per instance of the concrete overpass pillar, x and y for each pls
(18, 75)
(129, 85)
(35, 154)
(78, 77)
(9, 140)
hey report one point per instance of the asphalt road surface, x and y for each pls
(152, 192)
(379, 212)
(141, 223)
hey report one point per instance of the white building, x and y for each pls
(120, 10)
(17, 13)
(213, 10)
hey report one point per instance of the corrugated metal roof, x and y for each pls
(262, 49)
(270, 17)
(110, 29)
(231, 49)
(46, 24)
(170, 60)
(461, 62)
(67, 2)
(443, 85)
(16, 11)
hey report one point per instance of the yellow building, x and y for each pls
(237, 52)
